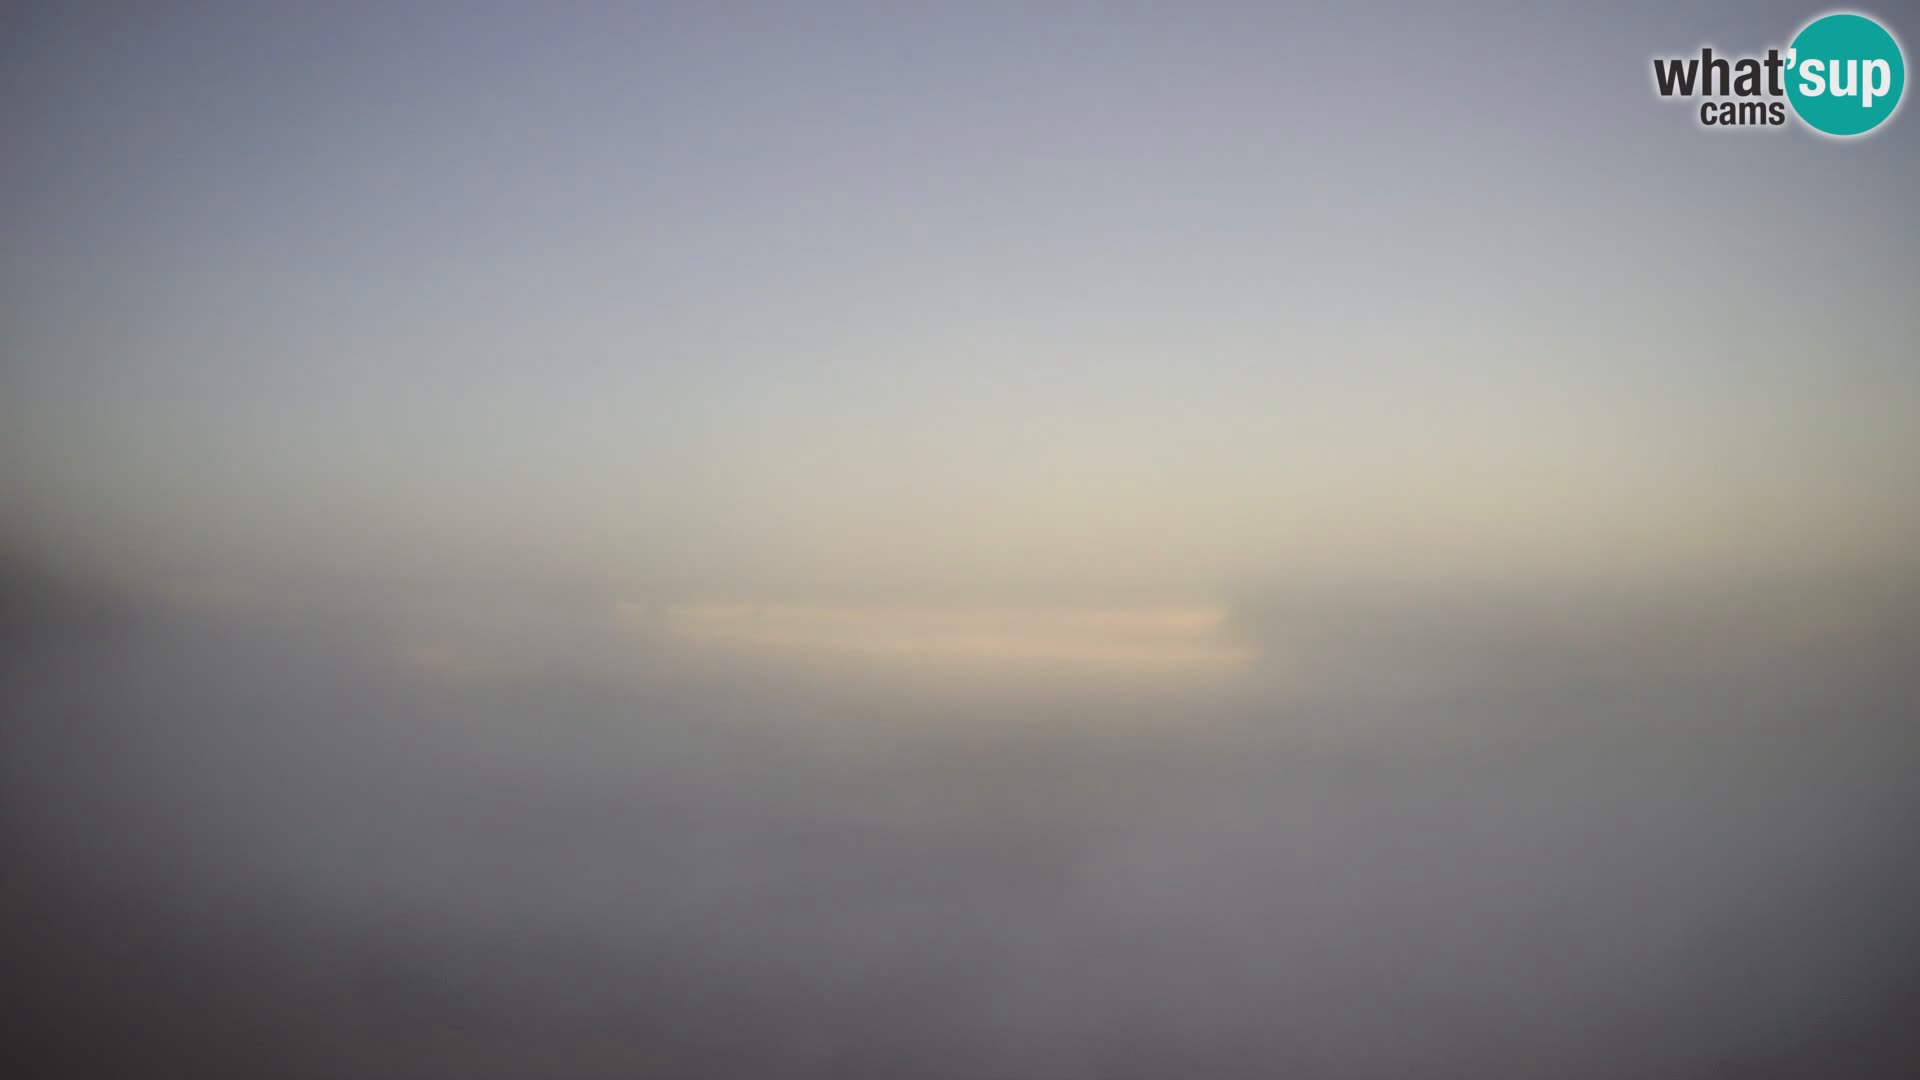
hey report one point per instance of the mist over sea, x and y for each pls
(975, 540)
(1657, 836)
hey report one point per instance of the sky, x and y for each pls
(963, 299)
(922, 539)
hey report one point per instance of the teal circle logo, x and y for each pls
(1845, 74)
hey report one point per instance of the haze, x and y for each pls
(976, 539)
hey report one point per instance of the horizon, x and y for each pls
(1033, 541)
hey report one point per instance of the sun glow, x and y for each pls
(1166, 640)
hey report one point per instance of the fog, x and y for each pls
(977, 540)
(454, 835)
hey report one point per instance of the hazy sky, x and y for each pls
(949, 538)
(763, 299)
